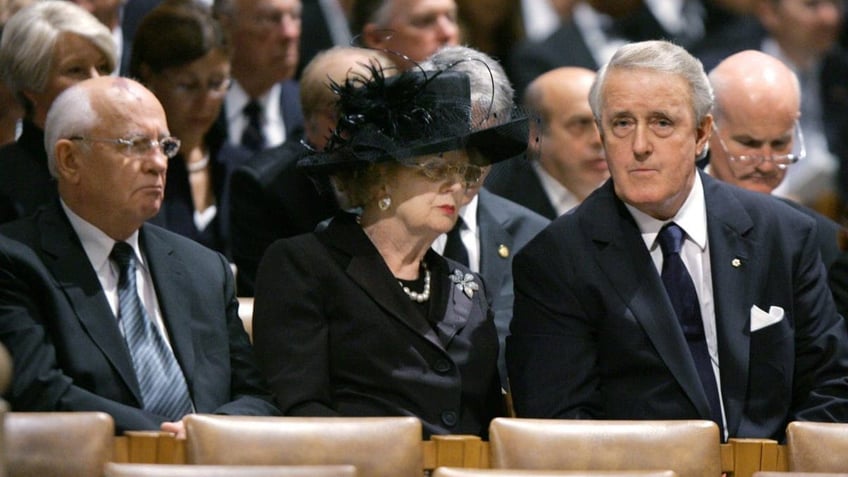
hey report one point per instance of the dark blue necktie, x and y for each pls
(163, 386)
(454, 248)
(681, 291)
(252, 137)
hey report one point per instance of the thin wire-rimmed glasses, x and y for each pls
(439, 170)
(139, 146)
(782, 161)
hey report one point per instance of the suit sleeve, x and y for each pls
(821, 340)
(552, 351)
(38, 383)
(249, 393)
(291, 330)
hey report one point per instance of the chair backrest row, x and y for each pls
(80, 444)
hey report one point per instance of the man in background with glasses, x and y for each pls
(757, 136)
(103, 312)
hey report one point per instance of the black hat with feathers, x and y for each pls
(411, 114)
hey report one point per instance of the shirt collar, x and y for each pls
(95, 242)
(236, 99)
(692, 218)
(561, 198)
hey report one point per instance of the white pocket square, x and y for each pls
(760, 319)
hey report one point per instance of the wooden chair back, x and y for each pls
(58, 444)
(466, 472)
(177, 470)
(817, 447)
(689, 448)
(377, 446)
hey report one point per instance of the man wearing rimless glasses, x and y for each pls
(756, 134)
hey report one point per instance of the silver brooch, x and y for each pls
(464, 282)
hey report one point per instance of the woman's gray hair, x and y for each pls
(660, 56)
(30, 37)
(71, 114)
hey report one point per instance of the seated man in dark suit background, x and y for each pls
(756, 137)
(565, 160)
(270, 198)
(669, 294)
(102, 312)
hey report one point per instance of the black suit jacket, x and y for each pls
(25, 181)
(595, 336)
(68, 352)
(336, 336)
(516, 180)
(271, 199)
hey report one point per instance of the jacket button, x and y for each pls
(442, 366)
(449, 418)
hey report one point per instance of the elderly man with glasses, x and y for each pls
(102, 311)
(756, 134)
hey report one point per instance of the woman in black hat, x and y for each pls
(362, 318)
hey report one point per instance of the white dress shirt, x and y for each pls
(561, 198)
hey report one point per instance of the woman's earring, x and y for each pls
(384, 203)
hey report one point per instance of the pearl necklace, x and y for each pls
(425, 294)
(198, 166)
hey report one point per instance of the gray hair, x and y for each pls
(491, 90)
(660, 56)
(71, 114)
(30, 37)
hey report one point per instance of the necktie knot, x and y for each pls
(454, 248)
(671, 239)
(252, 110)
(123, 255)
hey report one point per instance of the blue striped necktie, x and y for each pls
(163, 386)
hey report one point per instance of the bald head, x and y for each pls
(318, 100)
(754, 81)
(568, 146)
(757, 101)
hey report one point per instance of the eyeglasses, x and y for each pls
(216, 88)
(140, 146)
(782, 161)
(440, 170)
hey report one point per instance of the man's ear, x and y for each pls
(67, 161)
(704, 132)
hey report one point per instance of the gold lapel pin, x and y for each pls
(503, 251)
(736, 263)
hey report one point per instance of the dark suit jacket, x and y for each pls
(505, 227)
(177, 211)
(516, 180)
(25, 181)
(68, 352)
(336, 336)
(271, 200)
(595, 336)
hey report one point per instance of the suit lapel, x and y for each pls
(459, 303)
(168, 272)
(67, 261)
(622, 256)
(730, 250)
(368, 270)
